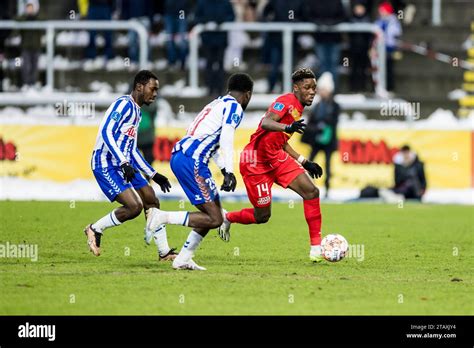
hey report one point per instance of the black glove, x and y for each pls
(230, 182)
(297, 126)
(223, 171)
(128, 171)
(314, 170)
(162, 181)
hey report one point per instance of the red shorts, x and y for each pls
(258, 179)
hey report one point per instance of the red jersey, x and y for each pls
(267, 146)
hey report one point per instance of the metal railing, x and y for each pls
(287, 30)
(51, 26)
(436, 13)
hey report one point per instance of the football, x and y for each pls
(334, 247)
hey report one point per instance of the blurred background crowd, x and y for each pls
(171, 20)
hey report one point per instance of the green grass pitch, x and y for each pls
(417, 259)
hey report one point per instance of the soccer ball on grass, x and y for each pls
(334, 247)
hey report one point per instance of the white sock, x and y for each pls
(316, 249)
(224, 213)
(161, 240)
(109, 220)
(177, 217)
(191, 244)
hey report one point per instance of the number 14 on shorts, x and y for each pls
(263, 188)
(264, 196)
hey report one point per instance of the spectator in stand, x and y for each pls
(214, 43)
(328, 45)
(410, 180)
(139, 10)
(244, 12)
(250, 13)
(176, 27)
(278, 11)
(30, 46)
(359, 48)
(321, 132)
(368, 4)
(99, 10)
(392, 29)
(5, 14)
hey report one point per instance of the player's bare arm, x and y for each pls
(314, 170)
(292, 152)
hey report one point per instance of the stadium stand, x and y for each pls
(419, 78)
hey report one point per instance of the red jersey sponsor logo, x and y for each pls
(131, 132)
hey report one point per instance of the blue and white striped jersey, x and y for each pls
(203, 137)
(116, 141)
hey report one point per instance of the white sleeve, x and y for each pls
(119, 109)
(232, 117)
(218, 160)
(227, 147)
(141, 162)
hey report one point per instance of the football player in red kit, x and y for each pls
(268, 159)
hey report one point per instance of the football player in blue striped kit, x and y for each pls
(117, 166)
(213, 128)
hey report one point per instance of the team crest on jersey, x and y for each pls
(295, 113)
(278, 106)
(235, 118)
(115, 115)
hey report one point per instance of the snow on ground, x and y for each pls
(87, 190)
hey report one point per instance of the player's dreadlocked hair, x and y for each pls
(301, 74)
(240, 82)
(142, 77)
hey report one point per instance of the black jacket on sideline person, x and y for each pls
(324, 116)
(321, 133)
(410, 180)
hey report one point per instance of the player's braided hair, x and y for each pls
(301, 74)
(142, 77)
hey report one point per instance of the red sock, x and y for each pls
(312, 213)
(245, 216)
